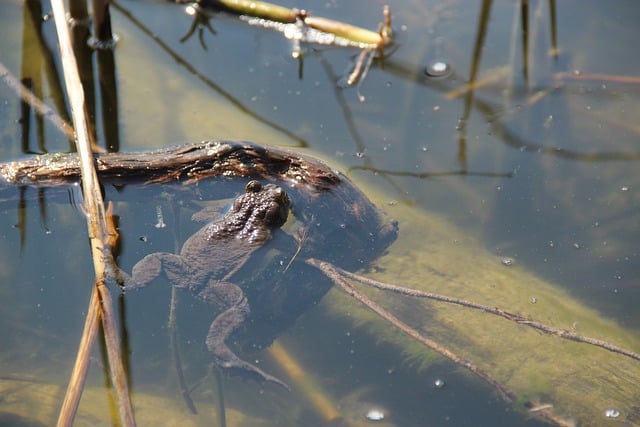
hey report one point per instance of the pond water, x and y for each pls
(508, 126)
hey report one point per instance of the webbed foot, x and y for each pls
(246, 369)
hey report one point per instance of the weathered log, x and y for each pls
(345, 218)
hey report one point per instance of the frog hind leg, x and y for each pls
(232, 297)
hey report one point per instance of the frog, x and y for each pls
(208, 260)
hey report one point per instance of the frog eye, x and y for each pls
(253, 187)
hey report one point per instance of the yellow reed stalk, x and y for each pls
(260, 9)
(312, 391)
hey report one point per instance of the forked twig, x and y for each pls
(497, 311)
(335, 275)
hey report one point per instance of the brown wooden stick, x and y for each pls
(558, 332)
(98, 234)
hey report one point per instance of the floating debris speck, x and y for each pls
(612, 413)
(507, 261)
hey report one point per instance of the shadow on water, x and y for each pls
(507, 149)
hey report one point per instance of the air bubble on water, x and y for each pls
(507, 261)
(374, 414)
(438, 69)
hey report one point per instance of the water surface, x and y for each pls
(527, 147)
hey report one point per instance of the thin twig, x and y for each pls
(558, 332)
(97, 228)
(336, 275)
(332, 272)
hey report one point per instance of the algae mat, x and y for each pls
(579, 382)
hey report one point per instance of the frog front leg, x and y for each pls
(153, 266)
(235, 311)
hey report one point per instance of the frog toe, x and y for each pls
(245, 369)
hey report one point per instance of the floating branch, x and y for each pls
(300, 26)
(343, 34)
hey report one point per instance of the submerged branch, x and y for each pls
(558, 332)
(337, 276)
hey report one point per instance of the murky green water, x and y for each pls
(534, 161)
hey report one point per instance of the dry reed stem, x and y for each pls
(324, 406)
(273, 12)
(98, 234)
